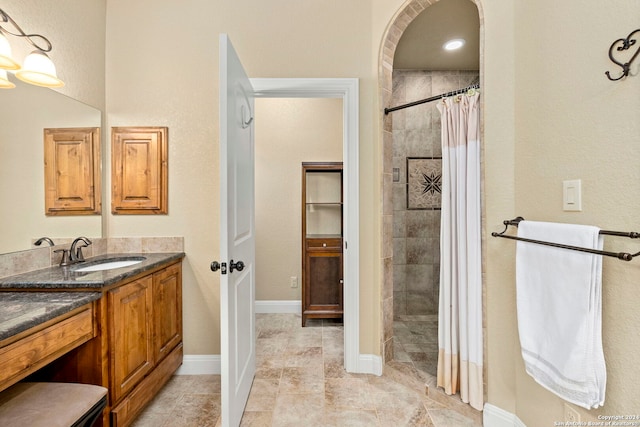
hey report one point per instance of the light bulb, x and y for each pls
(38, 69)
(453, 44)
(6, 61)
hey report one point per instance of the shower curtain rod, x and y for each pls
(433, 98)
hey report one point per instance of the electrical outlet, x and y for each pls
(570, 414)
(293, 281)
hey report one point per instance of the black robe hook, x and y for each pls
(626, 44)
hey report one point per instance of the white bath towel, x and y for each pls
(559, 304)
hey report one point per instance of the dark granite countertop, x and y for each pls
(20, 311)
(66, 278)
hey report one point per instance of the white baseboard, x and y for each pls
(197, 364)
(209, 364)
(496, 417)
(370, 364)
(288, 306)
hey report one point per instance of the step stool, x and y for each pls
(51, 405)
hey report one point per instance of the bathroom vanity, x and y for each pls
(119, 328)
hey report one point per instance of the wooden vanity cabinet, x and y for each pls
(129, 341)
(144, 340)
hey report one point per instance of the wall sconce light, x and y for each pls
(38, 69)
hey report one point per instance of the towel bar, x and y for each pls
(625, 256)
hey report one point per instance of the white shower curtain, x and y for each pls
(460, 308)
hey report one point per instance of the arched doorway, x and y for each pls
(397, 26)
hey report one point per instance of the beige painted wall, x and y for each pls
(288, 132)
(162, 60)
(573, 123)
(76, 29)
(24, 112)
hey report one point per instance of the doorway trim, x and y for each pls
(397, 25)
(346, 89)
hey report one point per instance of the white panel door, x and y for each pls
(237, 235)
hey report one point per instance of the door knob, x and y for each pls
(215, 266)
(236, 266)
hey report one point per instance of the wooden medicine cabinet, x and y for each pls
(72, 171)
(139, 170)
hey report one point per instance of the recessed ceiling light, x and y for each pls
(453, 44)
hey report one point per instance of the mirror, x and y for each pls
(25, 112)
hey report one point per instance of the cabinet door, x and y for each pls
(72, 171)
(323, 273)
(130, 335)
(139, 159)
(167, 310)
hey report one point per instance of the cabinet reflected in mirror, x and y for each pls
(25, 112)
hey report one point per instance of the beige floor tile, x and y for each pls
(351, 418)
(303, 357)
(450, 418)
(299, 409)
(269, 367)
(300, 381)
(333, 368)
(418, 417)
(262, 396)
(257, 419)
(199, 410)
(348, 393)
(296, 380)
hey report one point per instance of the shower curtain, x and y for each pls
(460, 307)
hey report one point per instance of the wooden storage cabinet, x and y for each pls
(144, 340)
(130, 337)
(167, 312)
(322, 260)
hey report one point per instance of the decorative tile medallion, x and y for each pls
(424, 182)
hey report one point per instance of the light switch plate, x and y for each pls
(572, 195)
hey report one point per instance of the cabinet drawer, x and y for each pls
(40, 348)
(314, 244)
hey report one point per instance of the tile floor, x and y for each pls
(300, 381)
(415, 342)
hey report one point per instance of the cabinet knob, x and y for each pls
(341, 281)
(324, 245)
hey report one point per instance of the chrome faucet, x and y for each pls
(75, 252)
(44, 239)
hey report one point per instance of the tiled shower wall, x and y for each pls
(416, 233)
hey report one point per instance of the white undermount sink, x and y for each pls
(108, 264)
